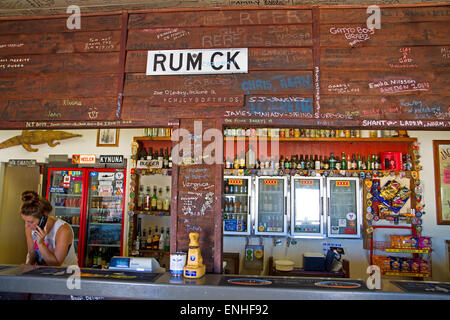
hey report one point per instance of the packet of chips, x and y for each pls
(390, 189)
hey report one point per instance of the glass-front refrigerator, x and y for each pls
(104, 216)
(65, 191)
(344, 207)
(308, 207)
(236, 206)
(271, 206)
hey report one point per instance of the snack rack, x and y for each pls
(386, 247)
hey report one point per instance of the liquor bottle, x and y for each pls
(287, 163)
(343, 162)
(302, 162)
(242, 161)
(369, 163)
(170, 159)
(155, 239)
(359, 162)
(149, 239)
(236, 206)
(161, 155)
(250, 157)
(166, 159)
(363, 165)
(316, 163)
(307, 162)
(159, 201)
(143, 244)
(154, 199)
(276, 162)
(404, 164)
(162, 240)
(332, 162)
(94, 258)
(236, 163)
(378, 162)
(137, 243)
(148, 199)
(142, 154)
(311, 162)
(99, 257)
(282, 162)
(321, 162)
(299, 162)
(349, 162)
(167, 241)
(140, 199)
(326, 164)
(149, 154)
(373, 163)
(166, 204)
(338, 163)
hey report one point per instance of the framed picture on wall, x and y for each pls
(441, 152)
(107, 137)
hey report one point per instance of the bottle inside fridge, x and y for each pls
(271, 205)
(236, 208)
(104, 216)
(65, 193)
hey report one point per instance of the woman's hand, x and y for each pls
(40, 234)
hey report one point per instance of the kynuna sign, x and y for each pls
(197, 61)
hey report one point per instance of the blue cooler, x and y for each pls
(313, 262)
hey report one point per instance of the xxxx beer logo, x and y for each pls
(342, 183)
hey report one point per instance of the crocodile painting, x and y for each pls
(28, 137)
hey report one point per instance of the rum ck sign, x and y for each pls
(197, 61)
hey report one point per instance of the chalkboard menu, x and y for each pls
(198, 207)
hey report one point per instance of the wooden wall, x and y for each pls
(49, 73)
(308, 66)
(399, 73)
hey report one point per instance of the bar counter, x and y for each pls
(108, 284)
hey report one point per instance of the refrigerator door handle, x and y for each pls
(285, 206)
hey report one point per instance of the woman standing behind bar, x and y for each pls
(52, 244)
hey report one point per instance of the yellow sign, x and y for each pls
(342, 183)
(307, 182)
(235, 181)
(271, 182)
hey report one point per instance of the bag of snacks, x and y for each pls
(405, 264)
(389, 190)
(395, 263)
(383, 262)
(424, 267)
(415, 265)
(424, 243)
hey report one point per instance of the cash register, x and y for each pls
(140, 264)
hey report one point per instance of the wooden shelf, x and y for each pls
(152, 139)
(306, 139)
(407, 250)
(153, 213)
(406, 274)
(150, 251)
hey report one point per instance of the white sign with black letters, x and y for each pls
(197, 61)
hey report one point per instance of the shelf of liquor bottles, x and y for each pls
(320, 153)
(150, 194)
(324, 139)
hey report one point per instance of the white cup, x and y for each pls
(177, 263)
